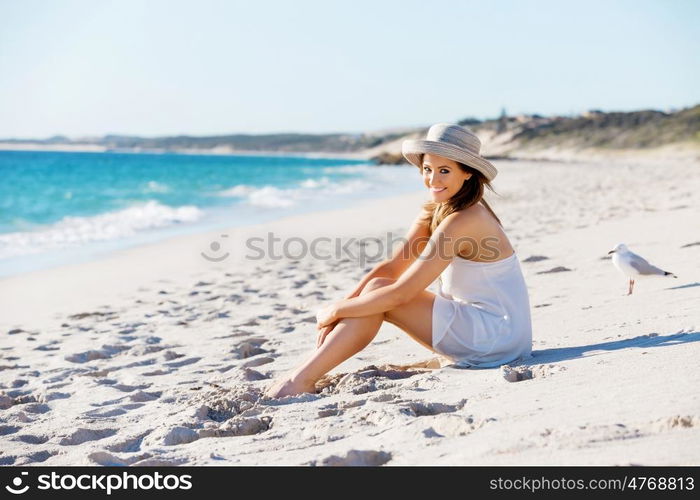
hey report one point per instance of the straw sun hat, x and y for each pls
(449, 141)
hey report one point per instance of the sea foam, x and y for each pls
(108, 226)
(373, 180)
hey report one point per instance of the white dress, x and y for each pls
(481, 313)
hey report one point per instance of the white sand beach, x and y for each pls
(157, 356)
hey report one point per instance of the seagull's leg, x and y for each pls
(629, 287)
(632, 287)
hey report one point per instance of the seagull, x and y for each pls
(632, 265)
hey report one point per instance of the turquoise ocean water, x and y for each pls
(58, 207)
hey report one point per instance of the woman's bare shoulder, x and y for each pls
(476, 220)
(475, 214)
(462, 222)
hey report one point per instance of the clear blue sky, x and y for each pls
(162, 67)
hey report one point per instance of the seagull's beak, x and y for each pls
(611, 251)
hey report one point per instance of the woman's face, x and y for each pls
(442, 177)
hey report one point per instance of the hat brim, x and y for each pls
(413, 150)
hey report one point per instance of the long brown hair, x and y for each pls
(471, 193)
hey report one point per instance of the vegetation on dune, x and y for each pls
(593, 129)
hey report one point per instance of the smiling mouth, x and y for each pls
(437, 190)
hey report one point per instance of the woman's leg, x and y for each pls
(351, 335)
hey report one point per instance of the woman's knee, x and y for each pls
(375, 283)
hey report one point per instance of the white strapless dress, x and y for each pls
(481, 313)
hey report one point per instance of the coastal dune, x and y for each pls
(156, 355)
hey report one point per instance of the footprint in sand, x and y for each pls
(91, 314)
(249, 348)
(109, 460)
(99, 413)
(250, 322)
(109, 402)
(28, 401)
(421, 409)
(237, 426)
(384, 398)
(81, 436)
(451, 425)
(259, 361)
(8, 429)
(170, 355)
(337, 409)
(31, 439)
(520, 373)
(184, 362)
(250, 375)
(155, 373)
(51, 396)
(145, 349)
(222, 404)
(160, 462)
(319, 295)
(558, 269)
(142, 396)
(237, 332)
(106, 352)
(129, 445)
(97, 373)
(329, 411)
(51, 346)
(369, 458)
(38, 456)
(294, 310)
(129, 388)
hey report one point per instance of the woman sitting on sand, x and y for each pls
(481, 314)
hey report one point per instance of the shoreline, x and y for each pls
(96, 250)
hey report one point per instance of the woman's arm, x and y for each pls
(444, 245)
(383, 269)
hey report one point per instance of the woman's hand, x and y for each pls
(326, 316)
(324, 333)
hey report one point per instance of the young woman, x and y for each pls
(481, 314)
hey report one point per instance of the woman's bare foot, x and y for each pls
(286, 386)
